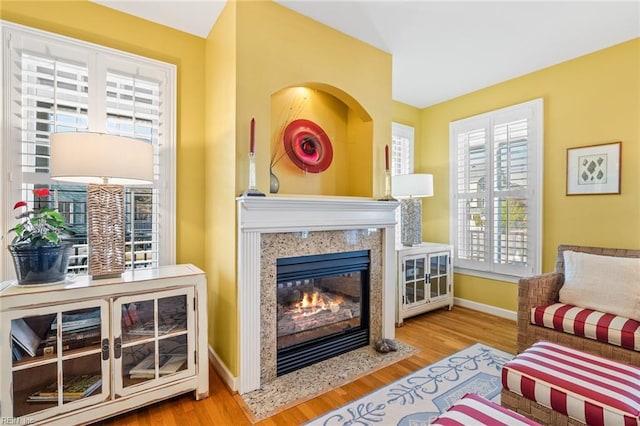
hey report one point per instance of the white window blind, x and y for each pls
(57, 84)
(496, 182)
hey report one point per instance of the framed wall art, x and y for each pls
(594, 169)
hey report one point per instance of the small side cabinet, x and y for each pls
(425, 279)
(83, 350)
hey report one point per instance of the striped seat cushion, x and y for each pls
(608, 328)
(472, 409)
(588, 388)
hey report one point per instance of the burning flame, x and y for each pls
(317, 301)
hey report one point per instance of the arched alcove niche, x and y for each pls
(349, 129)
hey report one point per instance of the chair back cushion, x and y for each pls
(603, 283)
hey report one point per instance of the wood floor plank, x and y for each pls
(436, 334)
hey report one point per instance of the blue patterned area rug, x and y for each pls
(420, 397)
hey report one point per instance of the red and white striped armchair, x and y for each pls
(541, 315)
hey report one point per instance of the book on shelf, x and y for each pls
(76, 321)
(79, 334)
(51, 347)
(24, 336)
(16, 353)
(168, 364)
(74, 388)
(147, 329)
(70, 340)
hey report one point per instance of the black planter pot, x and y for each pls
(40, 265)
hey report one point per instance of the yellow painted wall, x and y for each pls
(88, 21)
(220, 185)
(255, 50)
(588, 100)
(405, 114)
(278, 48)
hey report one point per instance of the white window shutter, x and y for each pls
(495, 204)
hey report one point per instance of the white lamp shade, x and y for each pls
(412, 186)
(100, 158)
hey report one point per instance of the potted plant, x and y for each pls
(38, 252)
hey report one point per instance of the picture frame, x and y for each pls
(594, 169)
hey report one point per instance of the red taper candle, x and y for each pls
(252, 140)
(386, 157)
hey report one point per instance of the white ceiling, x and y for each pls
(441, 49)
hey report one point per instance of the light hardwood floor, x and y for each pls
(436, 334)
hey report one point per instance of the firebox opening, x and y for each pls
(323, 307)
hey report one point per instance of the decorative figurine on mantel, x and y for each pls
(252, 191)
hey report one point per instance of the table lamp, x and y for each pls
(105, 163)
(410, 189)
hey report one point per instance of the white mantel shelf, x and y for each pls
(288, 214)
(273, 214)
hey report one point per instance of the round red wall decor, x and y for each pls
(308, 146)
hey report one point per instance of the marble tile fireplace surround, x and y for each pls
(284, 226)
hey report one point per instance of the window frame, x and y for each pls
(16, 37)
(488, 268)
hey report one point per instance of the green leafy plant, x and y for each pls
(42, 227)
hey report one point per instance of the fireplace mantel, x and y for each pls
(282, 214)
(288, 214)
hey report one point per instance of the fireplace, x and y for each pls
(274, 227)
(322, 307)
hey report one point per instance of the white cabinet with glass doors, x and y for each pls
(84, 350)
(425, 279)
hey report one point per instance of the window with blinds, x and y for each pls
(56, 84)
(496, 182)
(402, 141)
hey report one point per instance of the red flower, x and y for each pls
(41, 192)
(20, 204)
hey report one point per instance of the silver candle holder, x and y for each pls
(252, 191)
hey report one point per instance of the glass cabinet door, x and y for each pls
(57, 358)
(155, 339)
(414, 279)
(438, 274)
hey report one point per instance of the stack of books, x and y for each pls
(73, 388)
(137, 321)
(167, 364)
(37, 336)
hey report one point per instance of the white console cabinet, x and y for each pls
(425, 279)
(83, 350)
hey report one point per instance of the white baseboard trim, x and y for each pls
(503, 313)
(222, 370)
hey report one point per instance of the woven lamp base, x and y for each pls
(411, 221)
(105, 213)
